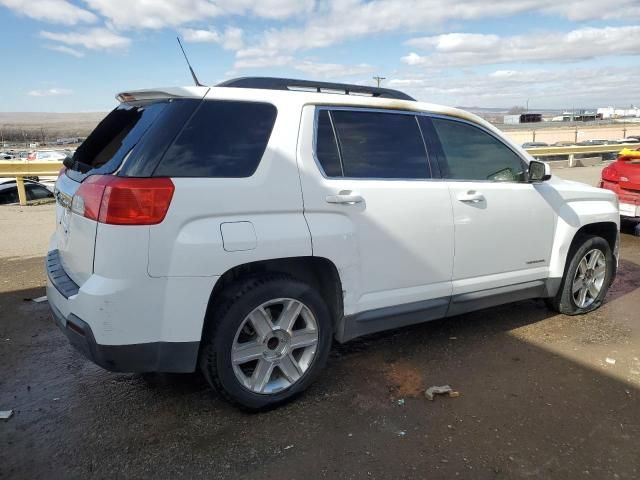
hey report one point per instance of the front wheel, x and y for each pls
(587, 277)
(270, 337)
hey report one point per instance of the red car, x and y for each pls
(623, 178)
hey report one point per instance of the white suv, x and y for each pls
(241, 228)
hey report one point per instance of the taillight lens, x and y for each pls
(610, 174)
(123, 201)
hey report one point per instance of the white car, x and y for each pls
(240, 228)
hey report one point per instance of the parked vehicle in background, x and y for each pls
(34, 191)
(47, 156)
(240, 228)
(563, 144)
(623, 178)
(534, 144)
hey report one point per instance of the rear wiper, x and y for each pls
(72, 164)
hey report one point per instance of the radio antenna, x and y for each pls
(193, 74)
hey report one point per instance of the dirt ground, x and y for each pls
(541, 396)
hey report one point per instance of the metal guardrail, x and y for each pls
(21, 169)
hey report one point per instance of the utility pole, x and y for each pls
(379, 79)
(527, 105)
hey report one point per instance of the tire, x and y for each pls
(258, 349)
(568, 300)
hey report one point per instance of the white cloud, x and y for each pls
(230, 39)
(64, 49)
(463, 49)
(51, 92)
(55, 11)
(332, 70)
(173, 13)
(545, 88)
(336, 21)
(92, 39)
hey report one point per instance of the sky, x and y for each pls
(76, 55)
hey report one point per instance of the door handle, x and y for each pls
(471, 197)
(345, 197)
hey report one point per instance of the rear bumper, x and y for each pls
(139, 357)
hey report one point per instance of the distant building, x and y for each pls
(522, 118)
(578, 116)
(611, 112)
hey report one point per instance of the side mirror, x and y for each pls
(539, 171)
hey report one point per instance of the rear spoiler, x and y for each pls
(141, 96)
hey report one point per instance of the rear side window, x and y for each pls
(380, 145)
(222, 139)
(473, 154)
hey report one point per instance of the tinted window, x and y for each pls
(380, 145)
(472, 154)
(326, 146)
(222, 139)
(117, 134)
(9, 195)
(36, 192)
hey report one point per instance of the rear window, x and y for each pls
(116, 135)
(223, 139)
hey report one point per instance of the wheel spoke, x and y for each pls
(582, 266)
(289, 315)
(261, 322)
(578, 283)
(261, 375)
(593, 290)
(303, 338)
(290, 368)
(582, 297)
(593, 260)
(600, 272)
(246, 352)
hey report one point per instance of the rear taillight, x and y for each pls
(122, 200)
(610, 174)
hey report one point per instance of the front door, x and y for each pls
(503, 226)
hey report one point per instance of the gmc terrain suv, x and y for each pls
(240, 228)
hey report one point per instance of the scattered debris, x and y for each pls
(445, 389)
(6, 414)
(453, 338)
(39, 299)
(610, 361)
(402, 433)
(56, 399)
(400, 402)
(288, 447)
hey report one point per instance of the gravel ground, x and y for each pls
(541, 396)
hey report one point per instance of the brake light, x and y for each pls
(610, 174)
(123, 201)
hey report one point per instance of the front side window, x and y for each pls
(222, 139)
(377, 145)
(473, 154)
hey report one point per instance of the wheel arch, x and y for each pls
(319, 272)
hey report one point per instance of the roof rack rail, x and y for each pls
(272, 83)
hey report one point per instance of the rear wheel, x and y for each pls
(587, 277)
(270, 337)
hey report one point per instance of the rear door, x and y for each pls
(504, 227)
(373, 208)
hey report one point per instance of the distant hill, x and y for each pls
(55, 125)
